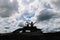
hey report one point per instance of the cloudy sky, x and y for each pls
(46, 14)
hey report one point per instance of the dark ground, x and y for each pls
(30, 36)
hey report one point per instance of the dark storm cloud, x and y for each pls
(21, 24)
(49, 20)
(7, 27)
(45, 15)
(8, 8)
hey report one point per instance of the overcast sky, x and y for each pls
(46, 14)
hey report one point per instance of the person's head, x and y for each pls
(31, 22)
(27, 25)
